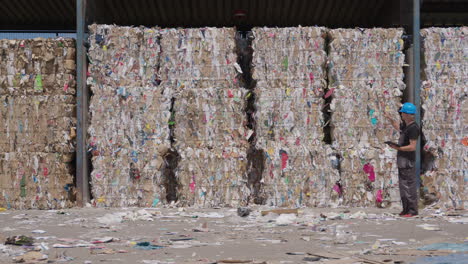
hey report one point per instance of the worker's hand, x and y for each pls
(394, 147)
(387, 115)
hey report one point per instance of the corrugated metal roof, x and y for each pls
(196, 13)
(444, 13)
(61, 15)
(37, 14)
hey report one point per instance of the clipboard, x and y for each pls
(392, 143)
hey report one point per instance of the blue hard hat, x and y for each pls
(408, 108)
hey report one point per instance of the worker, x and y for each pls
(406, 158)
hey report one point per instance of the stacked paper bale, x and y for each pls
(289, 68)
(129, 131)
(37, 113)
(199, 64)
(366, 80)
(445, 120)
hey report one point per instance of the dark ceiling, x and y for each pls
(196, 13)
(38, 15)
(51, 15)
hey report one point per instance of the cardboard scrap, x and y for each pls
(30, 257)
(413, 252)
(281, 211)
(234, 261)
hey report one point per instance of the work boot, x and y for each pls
(409, 215)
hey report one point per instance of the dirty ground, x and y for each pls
(190, 235)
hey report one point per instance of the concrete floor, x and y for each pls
(192, 235)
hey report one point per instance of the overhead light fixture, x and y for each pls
(240, 13)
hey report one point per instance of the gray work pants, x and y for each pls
(408, 190)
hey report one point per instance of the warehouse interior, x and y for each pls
(72, 18)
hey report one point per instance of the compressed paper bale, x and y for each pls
(377, 39)
(289, 101)
(193, 55)
(293, 120)
(129, 130)
(50, 185)
(296, 176)
(37, 66)
(212, 177)
(122, 181)
(37, 87)
(289, 69)
(212, 117)
(364, 194)
(151, 50)
(369, 170)
(288, 65)
(200, 66)
(293, 57)
(366, 77)
(115, 55)
(444, 97)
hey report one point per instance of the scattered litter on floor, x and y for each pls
(147, 246)
(449, 259)
(446, 246)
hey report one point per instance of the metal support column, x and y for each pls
(417, 80)
(82, 166)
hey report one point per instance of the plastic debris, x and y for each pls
(105, 251)
(358, 215)
(295, 253)
(30, 257)
(446, 246)
(233, 261)
(103, 240)
(19, 241)
(147, 246)
(452, 259)
(118, 217)
(311, 259)
(430, 227)
(243, 211)
(38, 231)
(286, 219)
(110, 219)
